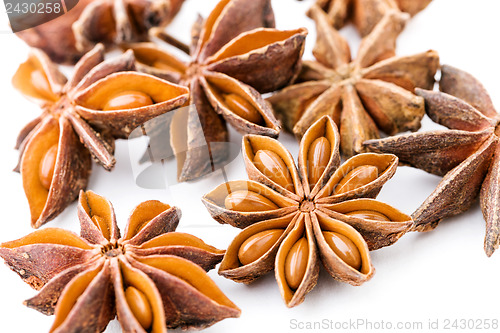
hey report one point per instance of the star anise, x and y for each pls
(365, 14)
(467, 154)
(67, 38)
(151, 278)
(374, 91)
(103, 100)
(293, 219)
(235, 54)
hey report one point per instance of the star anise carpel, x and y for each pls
(236, 54)
(365, 14)
(467, 154)
(67, 38)
(371, 93)
(292, 219)
(151, 277)
(103, 101)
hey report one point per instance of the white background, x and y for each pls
(441, 275)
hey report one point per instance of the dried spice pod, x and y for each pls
(309, 223)
(149, 278)
(466, 155)
(371, 93)
(365, 14)
(80, 119)
(67, 38)
(236, 54)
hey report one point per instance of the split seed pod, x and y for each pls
(320, 212)
(67, 38)
(365, 14)
(371, 93)
(233, 60)
(467, 155)
(104, 100)
(151, 278)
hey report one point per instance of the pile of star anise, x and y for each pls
(294, 214)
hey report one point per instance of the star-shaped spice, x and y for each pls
(467, 154)
(103, 100)
(293, 219)
(67, 38)
(374, 91)
(235, 54)
(365, 14)
(151, 277)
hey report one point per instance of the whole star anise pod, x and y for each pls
(293, 219)
(467, 154)
(103, 100)
(67, 38)
(374, 91)
(151, 278)
(365, 14)
(235, 54)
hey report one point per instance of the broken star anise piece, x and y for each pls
(365, 14)
(67, 38)
(467, 155)
(103, 100)
(293, 219)
(373, 92)
(236, 54)
(151, 277)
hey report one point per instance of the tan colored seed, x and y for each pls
(164, 66)
(128, 100)
(273, 166)
(248, 201)
(369, 215)
(356, 178)
(317, 159)
(140, 307)
(47, 166)
(242, 108)
(296, 263)
(40, 83)
(344, 248)
(257, 245)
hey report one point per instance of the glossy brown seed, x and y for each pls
(248, 201)
(357, 177)
(164, 66)
(369, 215)
(344, 248)
(40, 82)
(47, 165)
(242, 108)
(140, 307)
(296, 263)
(256, 245)
(128, 100)
(317, 159)
(273, 166)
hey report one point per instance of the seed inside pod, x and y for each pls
(256, 245)
(164, 66)
(47, 165)
(128, 100)
(317, 159)
(39, 81)
(273, 166)
(248, 201)
(140, 307)
(357, 177)
(369, 215)
(344, 248)
(296, 263)
(242, 108)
